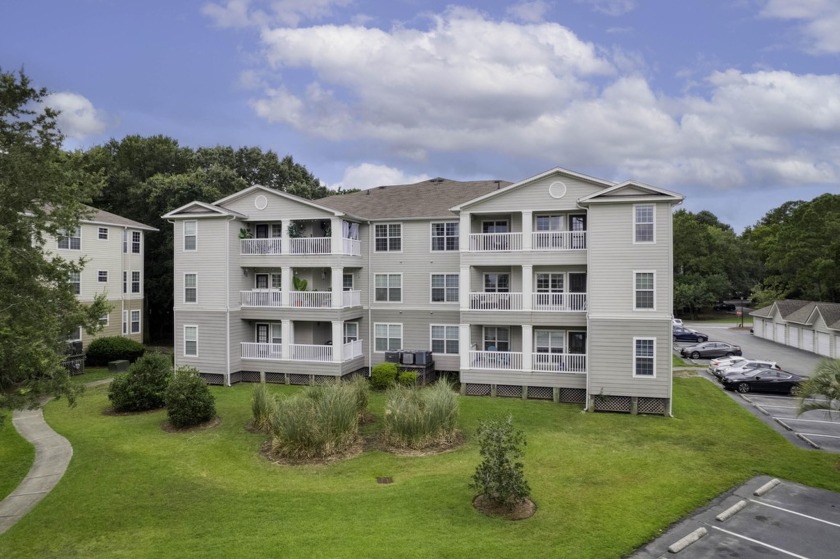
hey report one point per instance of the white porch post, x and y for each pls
(285, 287)
(464, 345)
(337, 287)
(284, 237)
(527, 346)
(527, 228)
(464, 232)
(338, 340)
(464, 288)
(288, 332)
(527, 286)
(336, 236)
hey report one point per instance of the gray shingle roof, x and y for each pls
(431, 198)
(800, 315)
(794, 310)
(101, 216)
(789, 306)
(831, 314)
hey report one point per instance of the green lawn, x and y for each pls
(603, 483)
(92, 374)
(16, 456)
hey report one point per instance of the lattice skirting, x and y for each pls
(506, 391)
(213, 378)
(247, 376)
(274, 378)
(298, 379)
(655, 406)
(477, 389)
(573, 395)
(540, 393)
(621, 404)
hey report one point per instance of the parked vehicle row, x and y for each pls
(707, 350)
(764, 380)
(682, 334)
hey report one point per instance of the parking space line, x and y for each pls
(782, 407)
(811, 420)
(818, 435)
(796, 513)
(767, 545)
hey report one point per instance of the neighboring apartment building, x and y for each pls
(556, 287)
(810, 325)
(113, 247)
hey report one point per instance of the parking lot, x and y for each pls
(764, 518)
(813, 429)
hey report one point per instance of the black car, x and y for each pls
(685, 335)
(707, 350)
(723, 306)
(765, 380)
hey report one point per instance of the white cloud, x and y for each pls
(260, 13)
(369, 175)
(78, 118)
(531, 12)
(819, 19)
(611, 7)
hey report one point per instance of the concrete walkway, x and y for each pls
(52, 456)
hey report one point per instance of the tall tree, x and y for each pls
(42, 192)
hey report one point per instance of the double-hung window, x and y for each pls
(190, 235)
(190, 288)
(496, 338)
(387, 237)
(191, 341)
(125, 282)
(102, 276)
(103, 233)
(135, 322)
(645, 285)
(387, 337)
(71, 240)
(444, 288)
(644, 357)
(351, 332)
(643, 215)
(135, 242)
(388, 288)
(135, 282)
(444, 338)
(445, 236)
(76, 283)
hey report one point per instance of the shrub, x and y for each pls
(102, 350)
(316, 424)
(407, 378)
(383, 375)
(263, 405)
(143, 386)
(416, 418)
(188, 399)
(499, 476)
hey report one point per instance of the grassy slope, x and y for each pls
(16, 456)
(604, 484)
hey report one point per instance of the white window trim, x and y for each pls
(140, 242)
(635, 308)
(389, 324)
(139, 322)
(653, 225)
(139, 282)
(496, 221)
(344, 330)
(184, 294)
(99, 276)
(99, 233)
(445, 326)
(79, 283)
(125, 323)
(75, 335)
(352, 281)
(484, 281)
(431, 287)
(184, 236)
(185, 340)
(402, 287)
(76, 234)
(635, 339)
(107, 317)
(552, 331)
(432, 237)
(388, 224)
(484, 336)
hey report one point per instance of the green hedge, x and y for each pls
(143, 386)
(102, 350)
(383, 375)
(188, 399)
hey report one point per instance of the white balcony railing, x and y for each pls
(352, 350)
(261, 298)
(310, 299)
(351, 298)
(273, 298)
(259, 246)
(352, 247)
(495, 242)
(309, 352)
(251, 350)
(558, 240)
(310, 245)
(559, 362)
(496, 360)
(559, 302)
(496, 301)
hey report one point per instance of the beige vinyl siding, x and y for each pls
(520, 378)
(611, 348)
(613, 259)
(416, 332)
(208, 262)
(536, 197)
(278, 208)
(211, 340)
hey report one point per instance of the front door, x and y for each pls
(261, 231)
(577, 284)
(262, 334)
(577, 342)
(577, 225)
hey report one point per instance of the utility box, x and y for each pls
(423, 357)
(392, 356)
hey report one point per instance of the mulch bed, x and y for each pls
(169, 428)
(519, 511)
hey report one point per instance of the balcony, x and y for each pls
(274, 298)
(559, 302)
(299, 352)
(542, 241)
(559, 363)
(495, 301)
(297, 246)
(495, 242)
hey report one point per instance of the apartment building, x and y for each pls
(557, 287)
(113, 247)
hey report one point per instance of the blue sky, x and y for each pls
(734, 103)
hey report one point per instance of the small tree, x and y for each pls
(499, 476)
(188, 399)
(143, 386)
(825, 382)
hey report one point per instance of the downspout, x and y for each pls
(227, 300)
(588, 306)
(124, 280)
(370, 300)
(174, 321)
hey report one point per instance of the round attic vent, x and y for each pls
(557, 189)
(260, 202)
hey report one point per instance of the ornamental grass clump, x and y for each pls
(263, 406)
(420, 418)
(321, 422)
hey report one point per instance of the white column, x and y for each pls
(337, 236)
(464, 345)
(285, 287)
(527, 286)
(337, 288)
(527, 346)
(527, 228)
(337, 340)
(288, 333)
(464, 288)
(464, 232)
(284, 238)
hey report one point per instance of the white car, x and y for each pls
(676, 322)
(745, 366)
(725, 362)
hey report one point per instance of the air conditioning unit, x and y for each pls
(392, 356)
(407, 358)
(422, 357)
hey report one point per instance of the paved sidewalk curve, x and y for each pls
(52, 455)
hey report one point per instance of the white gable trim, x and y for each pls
(278, 193)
